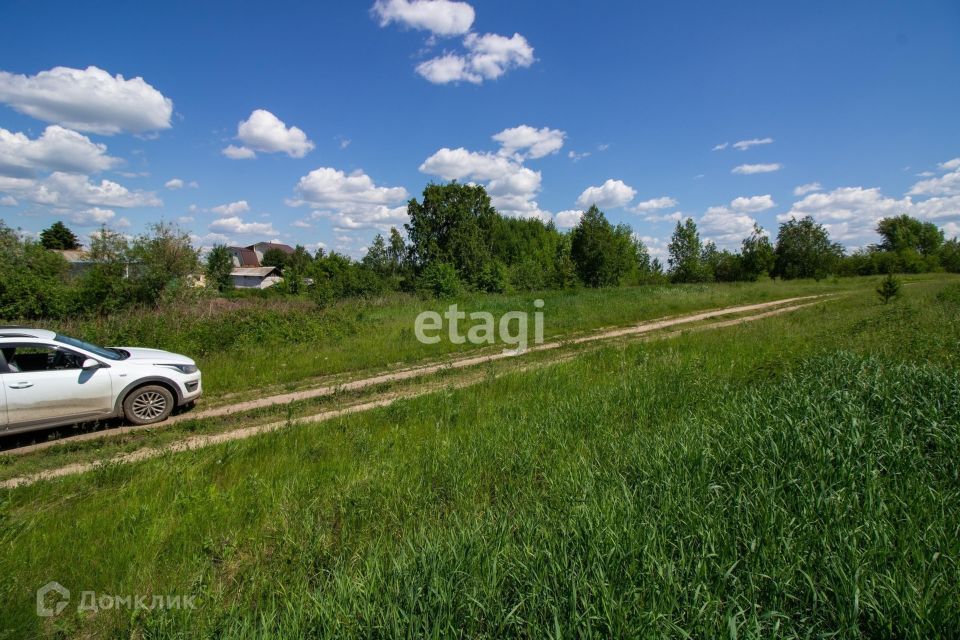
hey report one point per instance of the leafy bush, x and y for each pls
(440, 280)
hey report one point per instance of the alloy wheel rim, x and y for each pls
(149, 405)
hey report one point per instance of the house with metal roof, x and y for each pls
(255, 277)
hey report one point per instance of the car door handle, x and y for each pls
(21, 385)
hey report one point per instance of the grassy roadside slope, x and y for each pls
(789, 477)
(252, 344)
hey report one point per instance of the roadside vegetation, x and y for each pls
(244, 344)
(332, 313)
(791, 477)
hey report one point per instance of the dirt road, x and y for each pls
(754, 311)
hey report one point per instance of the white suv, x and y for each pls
(49, 380)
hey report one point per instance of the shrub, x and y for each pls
(440, 280)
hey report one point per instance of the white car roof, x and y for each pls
(26, 332)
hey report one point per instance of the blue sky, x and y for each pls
(128, 113)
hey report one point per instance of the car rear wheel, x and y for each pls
(148, 404)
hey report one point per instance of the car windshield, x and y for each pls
(103, 352)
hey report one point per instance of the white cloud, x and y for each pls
(577, 157)
(569, 218)
(67, 190)
(937, 208)
(440, 17)
(804, 189)
(512, 186)
(174, 183)
(352, 201)
(950, 165)
(88, 100)
(487, 58)
(951, 230)
(491, 54)
(8, 201)
(57, 149)
(238, 153)
(725, 227)
(850, 214)
(946, 185)
(654, 204)
(92, 217)
(752, 204)
(301, 224)
(327, 187)
(748, 169)
(527, 142)
(656, 247)
(236, 225)
(186, 219)
(611, 194)
(743, 145)
(721, 146)
(231, 208)
(266, 133)
(447, 68)
(676, 216)
(459, 163)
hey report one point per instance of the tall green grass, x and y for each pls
(249, 344)
(795, 477)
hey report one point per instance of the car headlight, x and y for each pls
(182, 368)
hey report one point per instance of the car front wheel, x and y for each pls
(147, 405)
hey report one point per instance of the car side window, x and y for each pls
(40, 357)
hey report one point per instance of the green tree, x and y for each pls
(58, 236)
(396, 251)
(32, 279)
(563, 270)
(602, 254)
(106, 286)
(298, 267)
(756, 255)
(804, 250)
(902, 233)
(219, 265)
(274, 257)
(378, 256)
(686, 254)
(451, 226)
(440, 280)
(950, 255)
(161, 260)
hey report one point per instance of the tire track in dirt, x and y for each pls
(388, 398)
(411, 373)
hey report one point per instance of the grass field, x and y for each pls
(250, 344)
(793, 477)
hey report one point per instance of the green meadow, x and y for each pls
(248, 344)
(798, 476)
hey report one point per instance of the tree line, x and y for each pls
(455, 241)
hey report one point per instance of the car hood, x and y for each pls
(139, 355)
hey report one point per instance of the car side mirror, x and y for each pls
(90, 363)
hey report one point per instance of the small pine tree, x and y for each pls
(889, 288)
